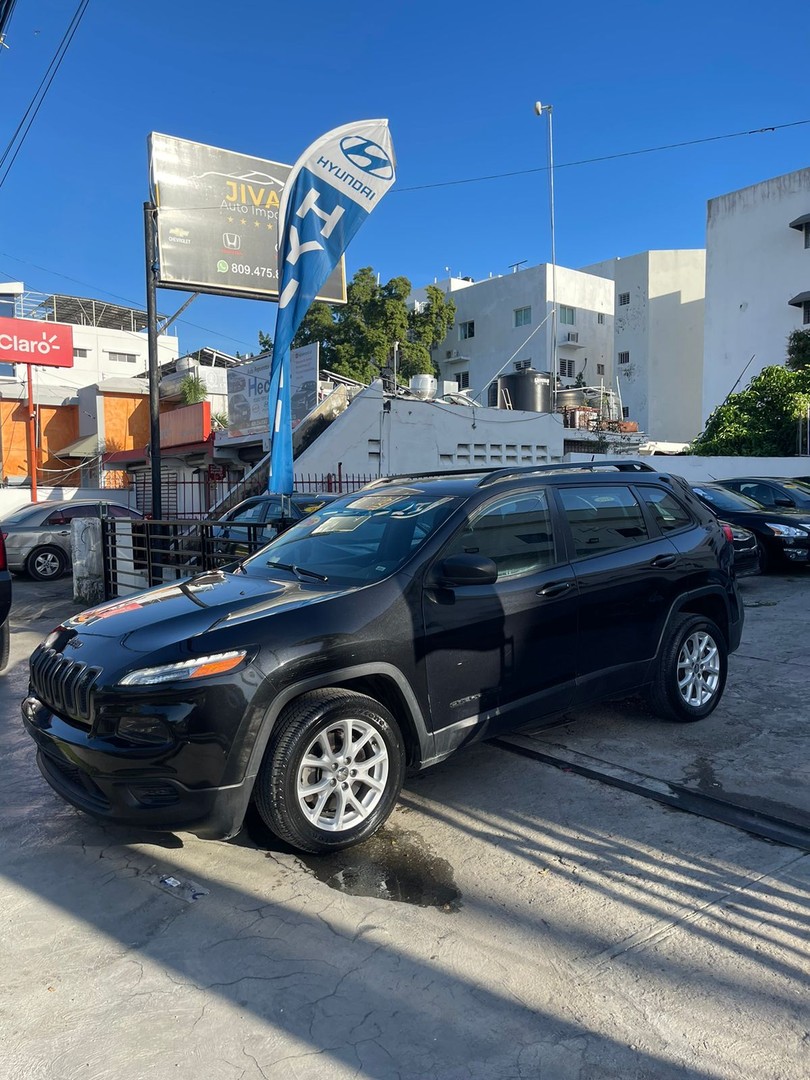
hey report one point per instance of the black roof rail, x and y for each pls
(633, 465)
(493, 476)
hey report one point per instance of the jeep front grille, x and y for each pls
(63, 684)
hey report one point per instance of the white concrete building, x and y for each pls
(109, 342)
(504, 324)
(658, 339)
(757, 280)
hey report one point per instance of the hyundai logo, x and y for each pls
(367, 156)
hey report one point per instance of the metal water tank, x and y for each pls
(423, 386)
(527, 390)
(571, 398)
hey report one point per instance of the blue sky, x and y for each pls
(458, 84)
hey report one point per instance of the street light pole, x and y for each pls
(539, 109)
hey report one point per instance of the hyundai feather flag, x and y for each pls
(332, 189)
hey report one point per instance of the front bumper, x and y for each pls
(130, 789)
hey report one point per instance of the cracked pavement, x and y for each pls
(599, 934)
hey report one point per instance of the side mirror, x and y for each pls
(783, 500)
(468, 570)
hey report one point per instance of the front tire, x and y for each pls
(46, 563)
(332, 771)
(691, 670)
(5, 644)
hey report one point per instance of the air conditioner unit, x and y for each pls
(449, 354)
(573, 337)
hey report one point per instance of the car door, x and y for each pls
(239, 527)
(56, 527)
(502, 654)
(627, 574)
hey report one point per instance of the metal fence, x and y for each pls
(141, 553)
(196, 497)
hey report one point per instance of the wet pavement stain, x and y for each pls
(392, 865)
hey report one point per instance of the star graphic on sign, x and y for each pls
(243, 221)
(269, 225)
(230, 217)
(255, 224)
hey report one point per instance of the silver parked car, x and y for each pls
(37, 535)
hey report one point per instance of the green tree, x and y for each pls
(265, 342)
(798, 351)
(760, 421)
(357, 339)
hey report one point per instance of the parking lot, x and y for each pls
(597, 900)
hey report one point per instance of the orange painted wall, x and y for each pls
(58, 426)
(126, 421)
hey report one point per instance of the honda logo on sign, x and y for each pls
(26, 341)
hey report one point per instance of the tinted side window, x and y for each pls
(121, 512)
(68, 513)
(763, 493)
(666, 509)
(252, 512)
(515, 532)
(603, 519)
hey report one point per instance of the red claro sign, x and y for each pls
(26, 341)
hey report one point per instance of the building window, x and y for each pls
(462, 379)
(567, 315)
(600, 318)
(624, 357)
(806, 313)
(466, 330)
(124, 357)
(600, 369)
(807, 234)
(523, 316)
(624, 299)
(80, 354)
(567, 368)
(626, 411)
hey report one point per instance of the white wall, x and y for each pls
(373, 440)
(755, 263)
(662, 330)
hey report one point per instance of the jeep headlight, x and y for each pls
(198, 668)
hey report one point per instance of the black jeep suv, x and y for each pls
(386, 630)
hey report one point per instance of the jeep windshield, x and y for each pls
(359, 539)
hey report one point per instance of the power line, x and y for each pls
(126, 300)
(30, 114)
(606, 157)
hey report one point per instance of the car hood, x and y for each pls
(778, 517)
(171, 613)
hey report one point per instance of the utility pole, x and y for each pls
(539, 109)
(150, 238)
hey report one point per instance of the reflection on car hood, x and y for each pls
(182, 610)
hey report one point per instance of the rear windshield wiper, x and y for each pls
(299, 571)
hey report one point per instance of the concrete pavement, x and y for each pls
(580, 931)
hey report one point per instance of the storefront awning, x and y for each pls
(800, 222)
(799, 299)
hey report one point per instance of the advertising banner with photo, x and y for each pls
(334, 186)
(217, 221)
(249, 384)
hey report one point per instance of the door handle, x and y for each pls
(64, 532)
(556, 589)
(664, 561)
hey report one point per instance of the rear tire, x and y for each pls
(5, 643)
(46, 563)
(332, 771)
(765, 561)
(691, 670)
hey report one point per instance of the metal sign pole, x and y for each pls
(31, 433)
(150, 234)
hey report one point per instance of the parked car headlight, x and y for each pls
(786, 530)
(198, 668)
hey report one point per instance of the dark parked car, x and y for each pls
(746, 549)
(256, 521)
(5, 605)
(37, 535)
(385, 630)
(783, 536)
(772, 493)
